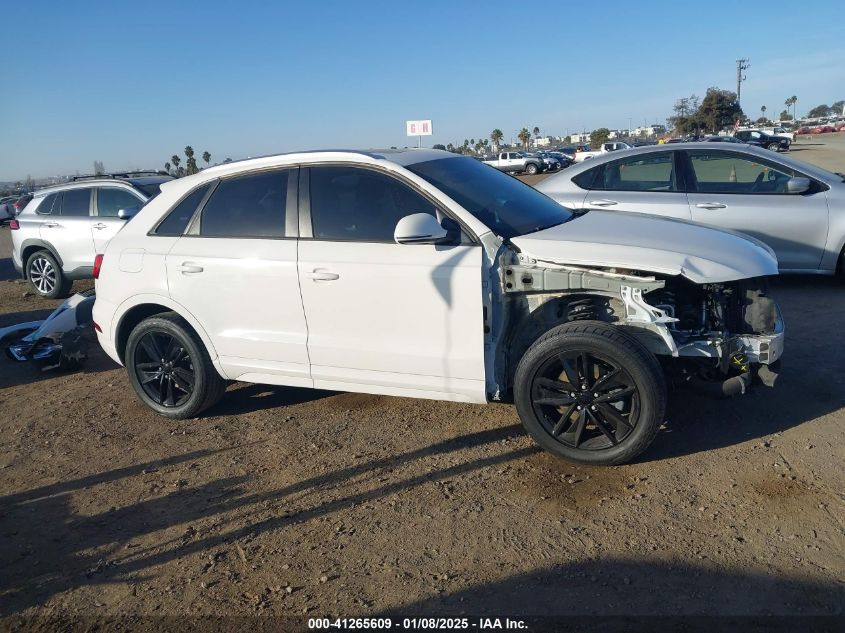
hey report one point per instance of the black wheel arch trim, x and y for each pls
(32, 245)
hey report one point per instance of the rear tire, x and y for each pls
(531, 169)
(170, 369)
(615, 411)
(45, 276)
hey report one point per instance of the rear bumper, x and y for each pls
(103, 315)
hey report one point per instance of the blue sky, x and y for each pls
(130, 84)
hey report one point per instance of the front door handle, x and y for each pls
(322, 275)
(51, 225)
(711, 205)
(189, 268)
(603, 203)
(100, 225)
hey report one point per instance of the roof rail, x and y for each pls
(123, 174)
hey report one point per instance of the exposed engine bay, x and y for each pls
(716, 337)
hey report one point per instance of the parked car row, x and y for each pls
(820, 129)
(11, 206)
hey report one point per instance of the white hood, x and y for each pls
(651, 244)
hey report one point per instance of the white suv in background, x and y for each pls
(57, 235)
(424, 274)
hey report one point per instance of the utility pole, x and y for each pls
(741, 66)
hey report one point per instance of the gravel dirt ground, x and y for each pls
(284, 501)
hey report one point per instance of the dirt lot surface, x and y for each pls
(289, 502)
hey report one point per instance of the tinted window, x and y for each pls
(76, 202)
(730, 173)
(652, 172)
(177, 220)
(150, 190)
(46, 206)
(585, 179)
(361, 204)
(503, 203)
(249, 206)
(110, 200)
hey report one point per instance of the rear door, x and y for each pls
(743, 192)
(68, 230)
(235, 269)
(107, 202)
(642, 183)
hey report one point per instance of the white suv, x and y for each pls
(58, 233)
(420, 273)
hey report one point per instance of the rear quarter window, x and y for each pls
(586, 178)
(176, 221)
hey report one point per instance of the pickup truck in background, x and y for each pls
(610, 146)
(516, 162)
(761, 139)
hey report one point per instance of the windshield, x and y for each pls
(503, 203)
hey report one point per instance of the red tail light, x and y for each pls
(14, 225)
(98, 262)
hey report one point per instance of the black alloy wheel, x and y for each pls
(164, 369)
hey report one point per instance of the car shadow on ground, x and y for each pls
(50, 548)
(241, 398)
(625, 587)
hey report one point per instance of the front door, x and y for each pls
(384, 317)
(107, 202)
(742, 192)
(237, 268)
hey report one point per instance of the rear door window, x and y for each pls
(247, 206)
(177, 220)
(652, 172)
(76, 202)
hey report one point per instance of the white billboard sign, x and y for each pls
(418, 128)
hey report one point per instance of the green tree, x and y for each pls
(524, 136)
(496, 136)
(206, 157)
(763, 110)
(791, 101)
(167, 167)
(175, 160)
(191, 163)
(536, 131)
(819, 111)
(837, 107)
(599, 136)
(784, 116)
(438, 146)
(719, 109)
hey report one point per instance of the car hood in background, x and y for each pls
(653, 244)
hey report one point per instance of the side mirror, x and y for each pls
(799, 184)
(420, 228)
(125, 214)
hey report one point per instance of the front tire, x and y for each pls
(170, 369)
(590, 393)
(45, 276)
(531, 169)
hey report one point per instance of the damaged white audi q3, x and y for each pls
(420, 273)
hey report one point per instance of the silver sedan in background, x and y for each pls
(795, 208)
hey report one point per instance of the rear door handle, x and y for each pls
(322, 275)
(189, 268)
(603, 203)
(711, 205)
(50, 225)
(100, 225)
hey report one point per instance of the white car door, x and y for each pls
(68, 229)
(107, 202)
(236, 267)
(643, 183)
(385, 317)
(745, 193)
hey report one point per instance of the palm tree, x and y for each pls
(175, 160)
(206, 157)
(536, 132)
(794, 100)
(496, 136)
(524, 136)
(763, 110)
(167, 167)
